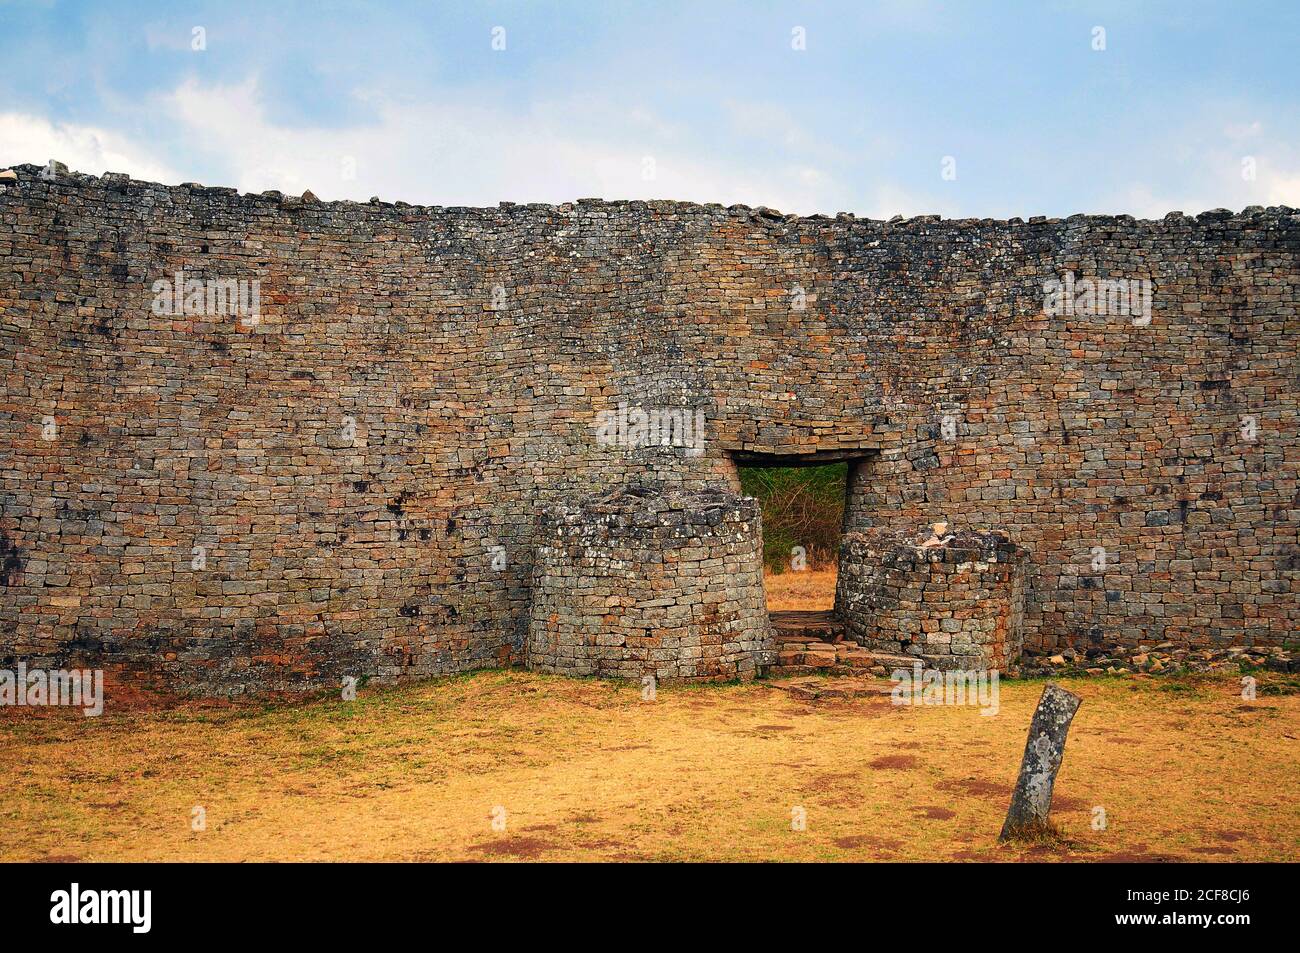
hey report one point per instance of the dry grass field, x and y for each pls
(586, 770)
(812, 590)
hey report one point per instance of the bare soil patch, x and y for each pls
(585, 770)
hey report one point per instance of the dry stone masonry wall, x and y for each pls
(341, 474)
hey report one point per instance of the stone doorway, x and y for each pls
(808, 502)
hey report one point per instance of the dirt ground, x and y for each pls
(587, 770)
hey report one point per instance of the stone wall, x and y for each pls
(955, 602)
(218, 505)
(640, 582)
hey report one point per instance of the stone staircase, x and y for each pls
(813, 643)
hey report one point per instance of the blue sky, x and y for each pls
(694, 100)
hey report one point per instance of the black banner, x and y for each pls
(141, 903)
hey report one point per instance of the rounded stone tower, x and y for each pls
(953, 600)
(644, 580)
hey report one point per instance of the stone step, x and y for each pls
(798, 625)
(892, 660)
(811, 689)
(813, 643)
(815, 653)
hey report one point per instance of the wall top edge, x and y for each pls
(31, 178)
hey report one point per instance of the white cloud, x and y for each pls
(1279, 187)
(1225, 158)
(1142, 201)
(1243, 130)
(886, 201)
(468, 150)
(767, 121)
(170, 36)
(455, 152)
(1216, 184)
(89, 149)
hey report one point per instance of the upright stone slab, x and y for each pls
(956, 601)
(648, 581)
(1031, 801)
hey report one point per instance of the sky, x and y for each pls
(963, 109)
